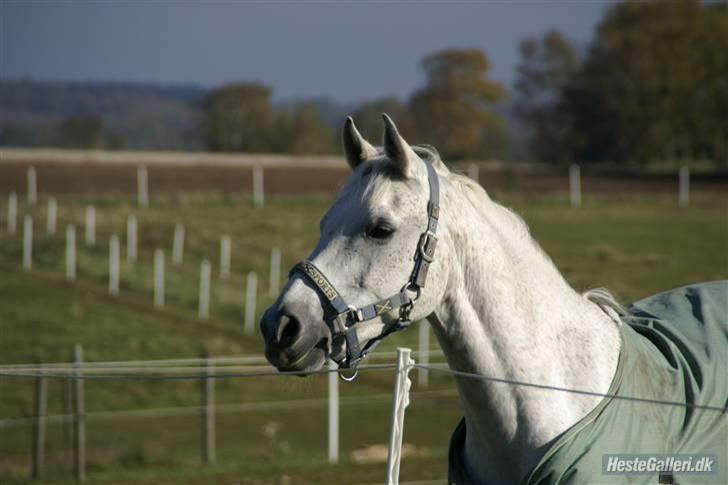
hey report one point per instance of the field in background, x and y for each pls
(77, 171)
(635, 244)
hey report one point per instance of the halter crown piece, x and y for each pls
(343, 318)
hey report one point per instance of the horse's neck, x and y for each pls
(509, 313)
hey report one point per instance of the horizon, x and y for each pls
(286, 46)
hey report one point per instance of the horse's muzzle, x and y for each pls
(288, 345)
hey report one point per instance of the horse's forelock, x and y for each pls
(376, 175)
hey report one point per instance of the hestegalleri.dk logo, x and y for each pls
(631, 464)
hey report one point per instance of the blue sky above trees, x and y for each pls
(349, 51)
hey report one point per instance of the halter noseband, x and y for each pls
(343, 318)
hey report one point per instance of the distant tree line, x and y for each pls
(99, 115)
(86, 132)
(453, 112)
(652, 86)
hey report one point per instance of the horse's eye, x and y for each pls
(379, 231)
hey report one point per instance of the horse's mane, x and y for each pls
(474, 192)
(607, 302)
(480, 200)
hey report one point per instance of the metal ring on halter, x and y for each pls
(409, 288)
(349, 378)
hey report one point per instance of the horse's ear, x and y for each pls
(356, 148)
(397, 149)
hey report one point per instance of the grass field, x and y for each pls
(635, 245)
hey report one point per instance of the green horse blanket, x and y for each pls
(674, 348)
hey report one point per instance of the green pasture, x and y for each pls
(635, 245)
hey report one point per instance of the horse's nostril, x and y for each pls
(267, 325)
(288, 330)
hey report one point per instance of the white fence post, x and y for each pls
(258, 199)
(32, 186)
(27, 242)
(204, 303)
(275, 271)
(158, 278)
(575, 186)
(39, 426)
(79, 418)
(142, 187)
(51, 216)
(12, 213)
(333, 412)
(131, 238)
(423, 378)
(684, 194)
(208, 414)
(178, 246)
(114, 265)
(90, 226)
(474, 172)
(225, 257)
(70, 252)
(400, 400)
(251, 291)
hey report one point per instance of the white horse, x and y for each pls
(496, 303)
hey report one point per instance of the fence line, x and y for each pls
(114, 265)
(142, 187)
(158, 278)
(251, 296)
(90, 226)
(85, 376)
(255, 406)
(70, 252)
(39, 427)
(203, 310)
(225, 251)
(79, 419)
(131, 238)
(178, 245)
(51, 214)
(208, 414)
(32, 186)
(568, 390)
(77, 375)
(207, 409)
(131, 250)
(258, 187)
(187, 377)
(27, 242)
(218, 361)
(71, 369)
(400, 401)
(12, 213)
(333, 384)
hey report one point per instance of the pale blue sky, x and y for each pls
(345, 50)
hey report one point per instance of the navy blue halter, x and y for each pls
(343, 318)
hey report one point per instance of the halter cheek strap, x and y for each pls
(343, 318)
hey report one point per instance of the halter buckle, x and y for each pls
(356, 314)
(426, 246)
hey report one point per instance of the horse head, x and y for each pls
(372, 271)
